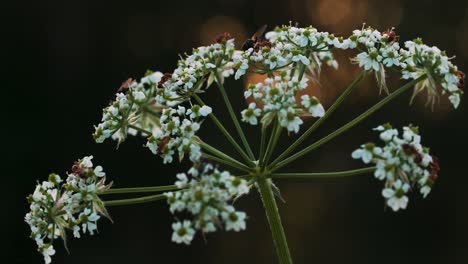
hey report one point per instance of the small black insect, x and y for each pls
(258, 36)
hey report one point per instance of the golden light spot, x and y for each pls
(332, 12)
(216, 25)
(343, 16)
(390, 15)
(338, 16)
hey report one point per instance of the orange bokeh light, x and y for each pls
(216, 25)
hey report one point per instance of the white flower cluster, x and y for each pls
(74, 205)
(138, 107)
(278, 97)
(383, 50)
(402, 163)
(178, 128)
(207, 197)
(443, 76)
(291, 45)
(380, 50)
(134, 110)
(194, 69)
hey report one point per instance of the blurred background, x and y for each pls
(64, 61)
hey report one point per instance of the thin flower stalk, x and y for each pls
(321, 120)
(139, 200)
(232, 165)
(349, 125)
(310, 175)
(228, 104)
(225, 133)
(224, 156)
(140, 190)
(276, 133)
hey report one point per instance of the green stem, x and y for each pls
(322, 174)
(139, 200)
(320, 121)
(349, 125)
(226, 159)
(274, 219)
(262, 143)
(225, 162)
(141, 189)
(303, 67)
(141, 130)
(226, 133)
(149, 111)
(275, 134)
(233, 117)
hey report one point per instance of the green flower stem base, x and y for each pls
(274, 219)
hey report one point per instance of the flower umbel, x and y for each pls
(206, 196)
(58, 206)
(402, 163)
(134, 111)
(443, 76)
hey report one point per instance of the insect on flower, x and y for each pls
(391, 35)
(79, 170)
(125, 86)
(461, 79)
(410, 149)
(163, 144)
(256, 37)
(261, 44)
(435, 168)
(166, 77)
(223, 37)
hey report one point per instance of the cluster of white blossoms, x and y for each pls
(383, 50)
(134, 110)
(443, 76)
(289, 54)
(139, 107)
(380, 50)
(278, 97)
(74, 205)
(206, 194)
(286, 55)
(178, 128)
(196, 68)
(403, 163)
(290, 46)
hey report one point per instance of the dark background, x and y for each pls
(63, 61)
